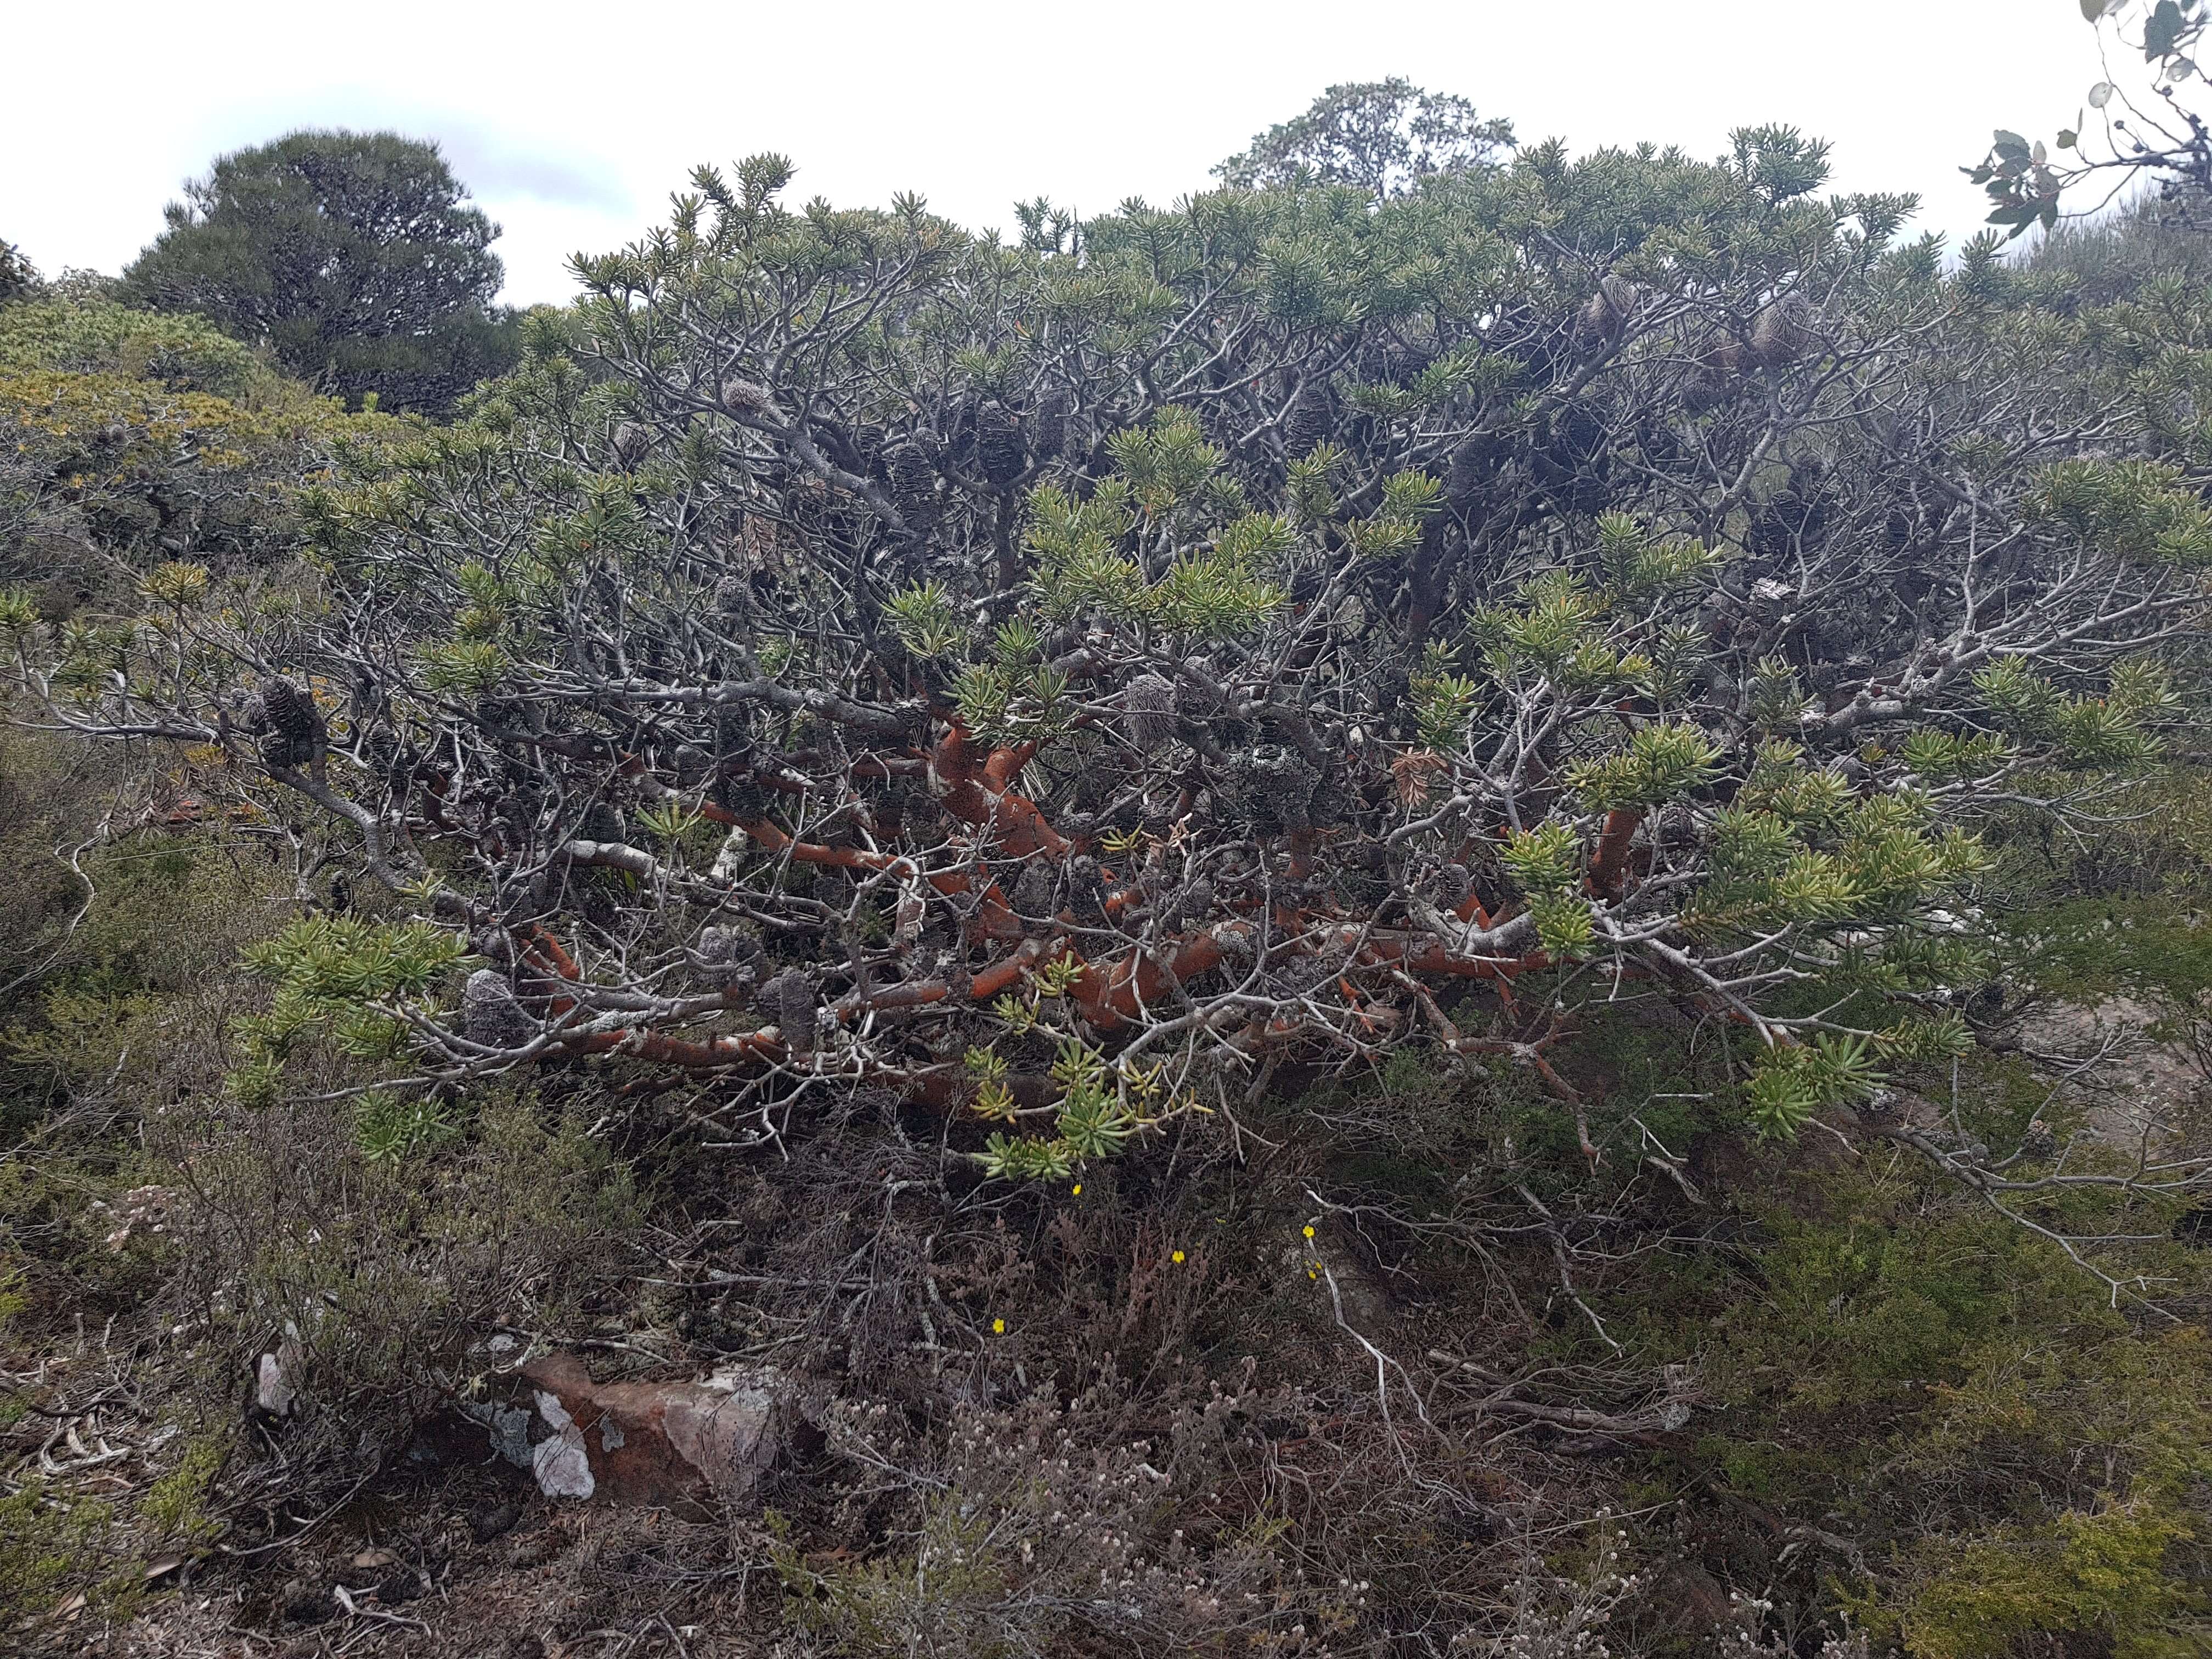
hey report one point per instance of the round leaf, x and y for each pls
(2101, 94)
(2162, 31)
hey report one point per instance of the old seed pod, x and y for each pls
(1311, 421)
(1032, 895)
(792, 999)
(1148, 706)
(1050, 425)
(1604, 317)
(728, 954)
(295, 726)
(913, 478)
(1781, 334)
(999, 445)
(491, 1014)
(742, 397)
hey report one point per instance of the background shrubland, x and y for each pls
(1450, 903)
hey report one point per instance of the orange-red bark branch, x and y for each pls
(1609, 868)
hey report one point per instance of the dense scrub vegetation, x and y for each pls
(1448, 908)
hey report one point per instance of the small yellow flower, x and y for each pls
(1313, 1273)
(1076, 1191)
(1176, 1258)
(998, 1328)
(1308, 1232)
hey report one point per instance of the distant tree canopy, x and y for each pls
(1374, 135)
(17, 278)
(356, 257)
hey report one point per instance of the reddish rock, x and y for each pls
(657, 1442)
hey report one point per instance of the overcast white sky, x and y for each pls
(573, 123)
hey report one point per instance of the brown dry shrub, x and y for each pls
(387, 1275)
(1043, 1528)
